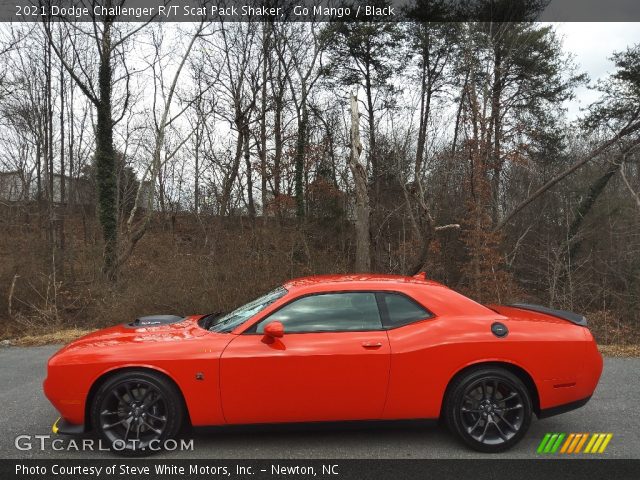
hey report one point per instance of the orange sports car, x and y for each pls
(329, 348)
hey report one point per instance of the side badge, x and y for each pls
(499, 329)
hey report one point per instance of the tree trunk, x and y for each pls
(496, 120)
(363, 256)
(63, 196)
(71, 119)
(456, 129)
(231, 178)
(373, 157)
(301, 142)
(51, 233)
(105, 160)
(39, 170)
(263, 117)
(196, 186)
(425, 108)
(247, 161)
(585, 206)
(277, 140)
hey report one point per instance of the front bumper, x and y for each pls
(62, 427)
(566, 407)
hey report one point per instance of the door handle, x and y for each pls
(371, 344)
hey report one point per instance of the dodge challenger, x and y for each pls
(329, 348)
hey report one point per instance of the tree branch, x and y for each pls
(631, 128)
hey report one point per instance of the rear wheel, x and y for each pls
(489, 409)
(135, 412)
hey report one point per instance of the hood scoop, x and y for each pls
(155, 320)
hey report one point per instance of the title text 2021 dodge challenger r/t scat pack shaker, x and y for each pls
(329, 348)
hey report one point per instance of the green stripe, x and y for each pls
(543, 442)
(558, 442)
(547, 449)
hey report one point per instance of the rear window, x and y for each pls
(402, 310)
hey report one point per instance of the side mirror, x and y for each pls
(274, 329)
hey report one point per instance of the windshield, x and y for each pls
(227, 322)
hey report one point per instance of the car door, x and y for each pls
(414, 383)
(331, 364)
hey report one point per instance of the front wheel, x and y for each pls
(489, 409)
(135, 412)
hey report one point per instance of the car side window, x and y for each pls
(329, 312)
(402, 310)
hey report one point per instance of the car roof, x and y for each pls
(365, 279)
(438, 298)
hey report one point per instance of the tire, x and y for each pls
(136, 411)
(489, 409)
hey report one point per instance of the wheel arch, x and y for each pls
(100, 380)
(524, 376)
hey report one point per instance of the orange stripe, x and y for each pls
(575, 442)
(584, 439)
(566, 444)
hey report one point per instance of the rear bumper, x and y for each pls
(565, 407)
(62, 427)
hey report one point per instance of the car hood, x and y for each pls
(180, 329)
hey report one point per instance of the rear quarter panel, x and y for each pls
(426, 355)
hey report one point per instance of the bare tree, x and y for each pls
(304, 45)
(363, 254)
(136, 232)
(109, 42)
(238, 62)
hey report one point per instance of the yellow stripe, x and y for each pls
(575, 442)
(54, 427)
(582, 440)
(567, 442)
(593, 439)
(605, 443)
(596, 445)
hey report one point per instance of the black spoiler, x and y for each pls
(570, 316)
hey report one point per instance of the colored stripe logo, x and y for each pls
(573, 443)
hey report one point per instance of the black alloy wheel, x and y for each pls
(489, 409)
(136, 411)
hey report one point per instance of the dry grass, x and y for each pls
(187, 268)
(609, 329)
(620, 350)
(183, 267)
(62, 336)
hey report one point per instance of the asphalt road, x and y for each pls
(614, 408)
